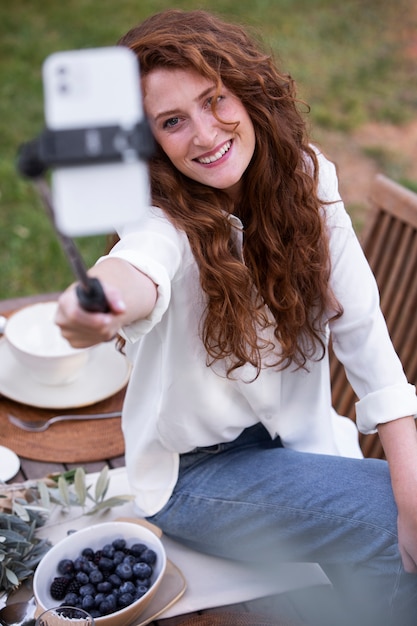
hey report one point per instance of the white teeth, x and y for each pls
(217, 156)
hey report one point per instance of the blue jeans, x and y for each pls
(256, 501)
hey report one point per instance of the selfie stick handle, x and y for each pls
(89, 292)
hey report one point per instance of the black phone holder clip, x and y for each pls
(82, 146)
(85, 146)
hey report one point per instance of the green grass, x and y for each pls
(346, 57)
(391, 162)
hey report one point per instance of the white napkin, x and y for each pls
(211, 581)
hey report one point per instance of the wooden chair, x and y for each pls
(390, 245)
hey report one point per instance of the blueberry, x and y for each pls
(104, 587)
(128, 587)
(141, 590)
(87, 590)
(118, 557)
(96, 576)
(98, 598)
(89, 567)
(115, 580)
(124, 570)
(137, 549)
(146, 582)
(112, 600)
(84, 565)
(88, 553)
(66, 566)
(119, 544)
(129, 559)
(148, 556)
(125, 599)
(116, 592)
(82, 578)
(105, 564)
(79, 563)
(88, 602)
(106, 607)
(108, 550)
(71, 599)
(142, 570)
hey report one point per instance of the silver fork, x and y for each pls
(38, 426)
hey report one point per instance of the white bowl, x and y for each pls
(37, 344)
(95, 537)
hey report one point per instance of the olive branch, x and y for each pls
(81, 494)
(24, 507)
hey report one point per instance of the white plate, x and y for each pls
(106, 372)
(9, 463)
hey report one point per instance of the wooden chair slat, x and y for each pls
(374, 245)
(394, 288)
(402, 320)
(387, 249)
(399, 302)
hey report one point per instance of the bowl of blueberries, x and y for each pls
(111, 570)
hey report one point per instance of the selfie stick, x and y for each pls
(89, 292)
(72, 147)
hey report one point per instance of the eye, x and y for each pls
(209, 101)
(171, 122)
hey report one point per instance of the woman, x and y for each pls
(226, 292)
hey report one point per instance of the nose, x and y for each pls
(204, 131)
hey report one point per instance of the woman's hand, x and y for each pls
(82, 328)
(399, 440)
(407, 534)
(131, 296)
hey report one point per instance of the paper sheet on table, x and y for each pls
(211, 581)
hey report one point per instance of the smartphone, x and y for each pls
(93, 88)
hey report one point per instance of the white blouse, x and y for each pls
(175, 403)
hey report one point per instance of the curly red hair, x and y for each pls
(286, 258)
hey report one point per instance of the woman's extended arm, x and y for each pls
(130, 293)
(399, 440)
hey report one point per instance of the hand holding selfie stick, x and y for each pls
(53, 148)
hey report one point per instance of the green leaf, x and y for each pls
(80, 486)
(110, 502)
(11, 576)
(68, 475)
(35, 509)
(12, 536)
(64, 490)
(44, 495)
(20, 510)
(102, 484)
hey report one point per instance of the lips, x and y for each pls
(206, 160)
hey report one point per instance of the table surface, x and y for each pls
(283, 607)
(37, 469)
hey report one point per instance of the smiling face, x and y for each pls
(214, 153)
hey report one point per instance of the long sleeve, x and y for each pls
(360, 337)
